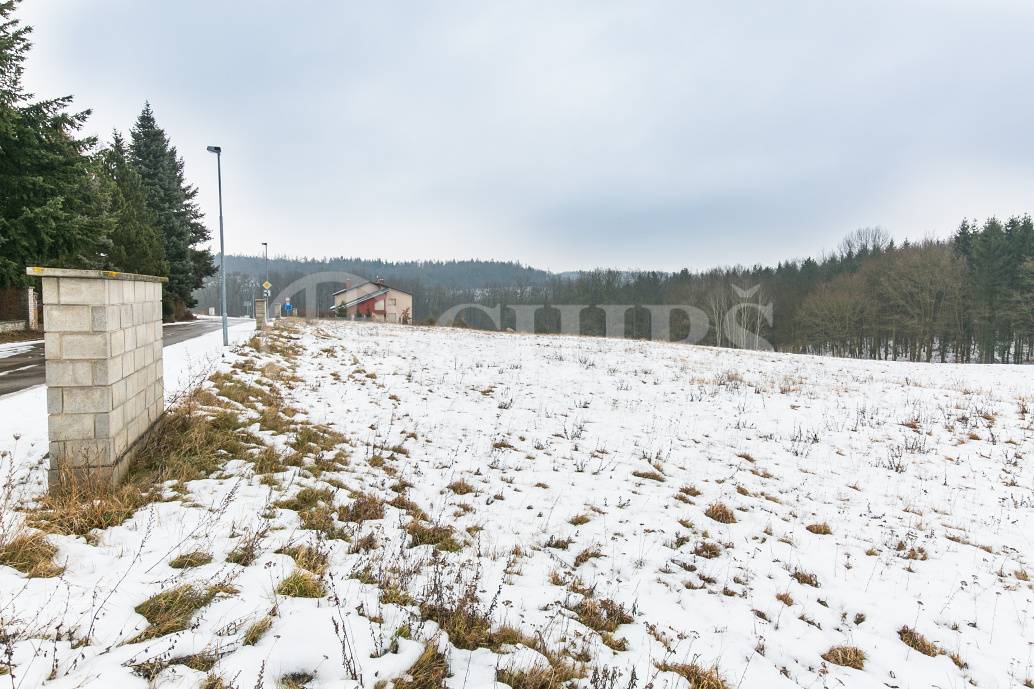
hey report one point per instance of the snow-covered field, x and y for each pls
(606, 508)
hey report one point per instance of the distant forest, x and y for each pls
(969, 298)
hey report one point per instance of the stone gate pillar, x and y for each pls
(103, 343)
(33, 306)
(260, 314)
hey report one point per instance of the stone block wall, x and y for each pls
(13, 326)
(103, 344)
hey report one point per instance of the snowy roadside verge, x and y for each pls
(14, 348)
(23, 414)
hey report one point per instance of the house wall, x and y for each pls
(397, 306)
(369, 309)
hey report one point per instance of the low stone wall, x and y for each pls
(13, 326)
(103, 343)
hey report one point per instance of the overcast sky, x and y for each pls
(566, 134)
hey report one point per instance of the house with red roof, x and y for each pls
(374, 300)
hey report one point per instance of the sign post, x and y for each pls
(266, 286)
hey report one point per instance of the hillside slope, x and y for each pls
(412, 506)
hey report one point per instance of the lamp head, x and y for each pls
(215, 149)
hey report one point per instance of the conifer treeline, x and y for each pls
(969, 299)
(68, 202)
(966, 299)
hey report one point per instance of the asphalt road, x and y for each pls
(25, 369)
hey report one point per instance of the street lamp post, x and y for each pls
(265, 251)
(222, 250)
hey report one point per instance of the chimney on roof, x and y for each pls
(348, 284)
(379, 281)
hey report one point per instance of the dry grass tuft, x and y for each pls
(321, 519)
(190, 442)
(697, 676)
(919, 642)
(589, 553)
(268, 460)
(441, 537)
(311, 559)
(202, 662)
(554, 676)
(312, 437)
(458, 610)
(460, 487)
(170, 611)
(31, 554)
(579, 519)
(229, 386)
(720, 513)
(306, 499)
(603, 615)
(295, 680)
(558, 543)
(409, 507)
(273, 419)
(428, 672)
(82, 503)
(301, 584)
(192, 559)
(848, 656)
(362, 508)
(822, 529)
(708, 550)
(256, 630)
(460, 614)
(213, 682)
(247, 548)
(805, 578)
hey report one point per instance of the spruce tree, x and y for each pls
(136, 242)
(53, 207)
(176, 214)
